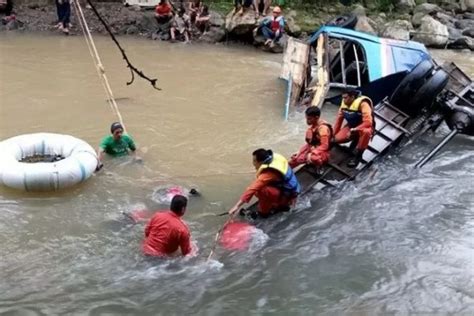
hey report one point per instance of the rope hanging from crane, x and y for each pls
(133, 69)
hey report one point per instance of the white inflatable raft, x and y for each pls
(72, 161)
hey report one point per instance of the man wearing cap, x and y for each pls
(272, 28)
(166, 233)
(117, 144)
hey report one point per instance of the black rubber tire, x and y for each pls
(426, 95)
(347, 21)
(411, 83)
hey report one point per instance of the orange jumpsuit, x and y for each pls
(319, 153)
(364, 129)
(269, 197)
(165, 233)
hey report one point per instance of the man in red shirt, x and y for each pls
(163, 12)
(166, 232)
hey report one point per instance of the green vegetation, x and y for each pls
(221, 6)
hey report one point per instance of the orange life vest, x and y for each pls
(313, 138)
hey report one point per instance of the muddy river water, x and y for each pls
(401, 241)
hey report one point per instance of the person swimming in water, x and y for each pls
(117, 144)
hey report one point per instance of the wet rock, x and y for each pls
(416, 19)
(358, 10)
(454, 33)
(12, 25)
(466, 5)
(405, 6)
(398, 29)
(364, 25)
(135, 8)
(240, 25)
(132, 30)
(468, 16)
(147, 23)
(371, 4)
(444, 18)
(464, 24)
(279, 47)
(216, 19)
(461, 42)
(404, 16)
(258, 40)
(214, 35)
(432, 33)
(427, 8)
(293, 28)
(468, 32)
(449, 5)
(379, 23)
(291, 14)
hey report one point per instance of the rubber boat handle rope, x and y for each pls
(216, 238)
(133, 69)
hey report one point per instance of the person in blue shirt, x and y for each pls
(272, 28)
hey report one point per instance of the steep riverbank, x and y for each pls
(448, 24)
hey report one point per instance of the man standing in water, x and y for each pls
(117, 144)
(166, 232)
(358, 113)
(276, 186)
(318, 137)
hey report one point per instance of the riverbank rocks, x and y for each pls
(398, 29)
(292, 28)
(11, 25)
(468, 16)
(467, 5)
(364, 24)
(454, 33)
(216, 19)
(464, 24)
(450, 6)
(240, 25)
(462, 42)
(444, 18)
(468, 32)
(427, 8)
(416, 19)
(405, 6)
(432, 33)
(147, 23)
(214, 35)
(358, 10)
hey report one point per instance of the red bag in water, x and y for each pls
(236, 236)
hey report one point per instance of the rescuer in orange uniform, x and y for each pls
(357, 111)
(166, 232)
(318, 138)
(276, 186)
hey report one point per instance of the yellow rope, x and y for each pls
(98, 63)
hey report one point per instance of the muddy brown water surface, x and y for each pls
(400, 242)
